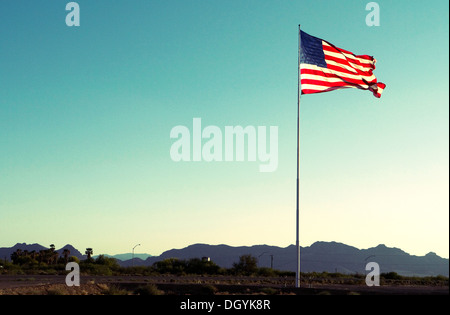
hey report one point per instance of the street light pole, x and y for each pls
(132, 255)
(271, 258)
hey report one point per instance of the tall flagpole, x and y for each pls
(297, 274)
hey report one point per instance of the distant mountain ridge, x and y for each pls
(127, 256)
(320, 256)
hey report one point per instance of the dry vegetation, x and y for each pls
(103, 276)
(212, 285)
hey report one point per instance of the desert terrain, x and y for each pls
(202, 285)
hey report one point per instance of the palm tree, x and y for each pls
(89, 252)
(66, 254)
(54, 258)
(34, 254)
(15, 255)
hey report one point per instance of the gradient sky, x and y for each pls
(86, 115)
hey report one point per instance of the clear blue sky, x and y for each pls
(86, 113)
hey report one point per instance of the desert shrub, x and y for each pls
(201, 267)
(191, 266)
(247, 265)
(209, 289)
(11, 269)
(137, 270)
(286, 273)
(103, 266)
(170, 266)
(269, 291)
(266, 272)
(94, 269)
(111, 263)
(114, 290)
(391, 276)
(74, 259)
(149, 289)
(56, 291)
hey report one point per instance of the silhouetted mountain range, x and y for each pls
(320, 256)
(127, 256)
(5, 252)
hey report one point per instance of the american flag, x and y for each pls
(325, 67)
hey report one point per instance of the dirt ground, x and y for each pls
(196, 285)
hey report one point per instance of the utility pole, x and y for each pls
(132, 255)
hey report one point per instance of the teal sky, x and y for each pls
(86, 114)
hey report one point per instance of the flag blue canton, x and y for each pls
(312, 50)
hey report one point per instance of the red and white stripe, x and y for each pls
(344, 70)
